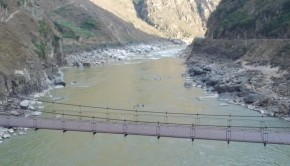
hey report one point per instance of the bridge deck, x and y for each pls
(253, 135)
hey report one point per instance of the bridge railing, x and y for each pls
(168, 118)
(73, 111)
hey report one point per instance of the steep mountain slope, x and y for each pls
(247, 44)
(34, 34)
(85, 25)
(177, 18)
(243, 19)
(30, 49)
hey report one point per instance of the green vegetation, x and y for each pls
(40, 49)
(70, 30)
(280, 24)
(73, 29)
(251, 18)
(88, 24)
(238, 19)
(43, 30)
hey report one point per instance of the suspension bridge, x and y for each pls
(258, 129)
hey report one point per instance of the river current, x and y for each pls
(153, 82)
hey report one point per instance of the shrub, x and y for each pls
(88, 24)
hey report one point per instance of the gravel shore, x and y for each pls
(239, 82)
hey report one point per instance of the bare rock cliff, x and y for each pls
(182, 19)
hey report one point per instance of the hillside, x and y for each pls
(248, 19)
(35, 35)
(84, 25)
(247, 45)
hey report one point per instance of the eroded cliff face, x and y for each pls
(183, 19)
(30, 49)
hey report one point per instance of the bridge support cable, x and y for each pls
(53, 109)
(228, 131)
(8, 121)
(63, 124)
(192, 132)
(94, 126)
(143, 111)
(197, 120)
(125, 128)
(80, 112)
(136, 116)
(158, 130)
(166, 118)
(265, 136)
(107, 114)
(35, 123)
(262, 123)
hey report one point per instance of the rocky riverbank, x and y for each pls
(18, 107)
(111, 54)
(258, 86)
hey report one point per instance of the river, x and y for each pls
(154, 81)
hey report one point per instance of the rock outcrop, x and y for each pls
(177, 19)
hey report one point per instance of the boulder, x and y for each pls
(188, 84)
(6, 135)
(62, 83)
(223, 88)
(15, 113)
(252, 98)
(24, 104)
(195, 70)
(76, 64)
(21, 133)
(207, 68)
(86, 64)
(212, 81)
(11, 131)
